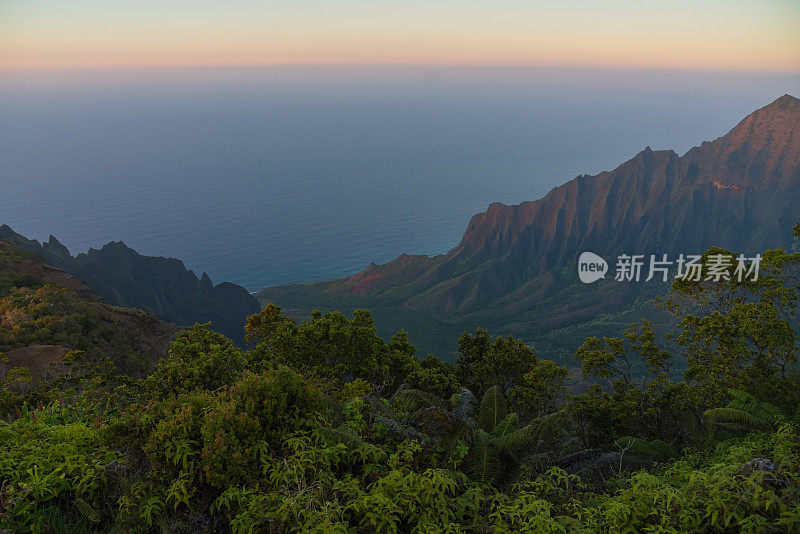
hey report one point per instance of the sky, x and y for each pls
(741, 35)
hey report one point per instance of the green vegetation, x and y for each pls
(10, 277)
(56, 319)
(434, 335)
(322, 426)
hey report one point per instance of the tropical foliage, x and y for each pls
(322, 426)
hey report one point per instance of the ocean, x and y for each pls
(265, 176)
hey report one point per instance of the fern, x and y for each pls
(399, 428)
(599, 465)
(764, 410)
(746, 410)
(492, 409)
(482, 461)
(418, 399)
(436, 422)
(587, 459)
(378, 405)
(531, 434)
(506, 426)
(451, 442)
(538, 461)
(384, 414)
(86, 510)
(737, 417)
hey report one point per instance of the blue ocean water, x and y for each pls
(273, 175)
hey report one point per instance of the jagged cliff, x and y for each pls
(46, 313)
(515, 267)
(159, 286)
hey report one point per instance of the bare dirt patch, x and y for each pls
(37, 358)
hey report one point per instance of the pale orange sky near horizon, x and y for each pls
(710, 35)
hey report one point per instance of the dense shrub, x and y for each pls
(198, 359)
(325, 427)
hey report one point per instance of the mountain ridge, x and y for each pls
(47, 313)
(160, 286)
(515, 266)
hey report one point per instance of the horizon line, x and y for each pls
(518, 65)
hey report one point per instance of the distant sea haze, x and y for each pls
(269, 176)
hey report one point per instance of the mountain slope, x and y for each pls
(46, 313)
(160, 286)
(515, 267)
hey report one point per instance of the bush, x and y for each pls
(199, 358)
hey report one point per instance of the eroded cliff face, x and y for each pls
(159, 286)
(741, 192)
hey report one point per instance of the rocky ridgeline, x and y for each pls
(160, 286)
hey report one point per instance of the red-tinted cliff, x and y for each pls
(516, 264)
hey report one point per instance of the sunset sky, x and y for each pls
(712, 34)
